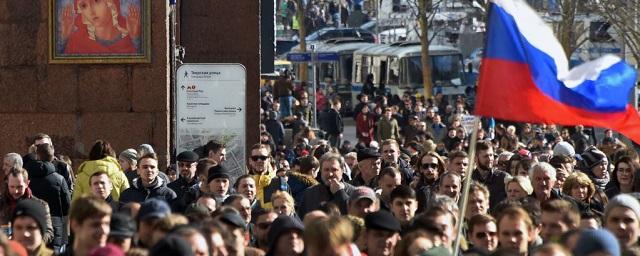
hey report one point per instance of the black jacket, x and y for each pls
(333, 122)
(315, 196)
(49, 186)
(495, 183)
(138, 193)
(181, 187)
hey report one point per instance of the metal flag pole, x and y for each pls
(467, 184)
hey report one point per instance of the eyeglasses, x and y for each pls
(429, 165)
(184, 164)
(259, 157)
(264, 225)
(482, 235)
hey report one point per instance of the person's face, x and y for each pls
(485, 159)
(623, 223)
(290, 243)
(263, 223)
(331, 170)
(514, 234)
(370, 168)
(445, 222)
(388, 183)
(172, 175)
(381, 242)
(244, 207)
(92, 231)
(600, 168)
(187, 169)
(101, 186)
(520, 171)
(124, 164)
(96, 12)
(542, 182)
(207, 202)
(580, 192)
(247, 187)
(387, 115)
(362, 207)
(451, 133)
(219, 186)
(429, 168)
(219, 156)
(148, 169)
(282, 207)
(390, 153)
(624, 174)
(198, 244)
(459, 166)
(561, 176)
(284, 164)
(404, 209)
(478, 203)
(514, 191)
(17, 186)
(450, 186)
(7, 164)
(552, 226)
(485, 236)
(590, 223)
(27, 232)
(259, 160)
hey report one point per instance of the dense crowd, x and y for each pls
(535, 189)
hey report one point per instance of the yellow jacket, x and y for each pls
(109, 165)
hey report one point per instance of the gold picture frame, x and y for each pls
(99, 32)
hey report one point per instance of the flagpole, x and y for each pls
(467, 184)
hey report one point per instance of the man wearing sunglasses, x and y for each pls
(483, 234)
(186, 163)
(261, 169)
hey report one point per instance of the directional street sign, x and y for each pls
(299, 57)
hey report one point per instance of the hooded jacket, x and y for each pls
(109, 165)
(139, 193)
(49, 186)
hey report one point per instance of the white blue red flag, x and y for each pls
(525, 77)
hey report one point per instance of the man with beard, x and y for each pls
(187, 162)
(382, 233)
(331, 189)
(487, 175)
(429, 167)
(148, 185)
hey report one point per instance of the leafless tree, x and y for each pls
(624, 17)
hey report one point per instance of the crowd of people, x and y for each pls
(534, 190)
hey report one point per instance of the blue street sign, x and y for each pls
(299, 57)
(327, 56)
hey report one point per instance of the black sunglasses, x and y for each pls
(256, 158)
(429, 165)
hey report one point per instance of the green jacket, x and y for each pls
(387, 129)
(109, 165)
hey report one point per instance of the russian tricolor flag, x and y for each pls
(525, 77)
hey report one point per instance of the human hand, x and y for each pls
(66, 22)
(335, 185)
(133, 21)
(32, 148)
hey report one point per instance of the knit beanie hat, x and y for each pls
(597, 240)
(563, 148)
(129, 154)
(31, 208)
(592, 156)
(623, 200)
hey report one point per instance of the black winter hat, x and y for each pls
(187, 156)
(122, 225)
(382, 220)
(367, 153)
(282, 224)
(592, 156)
(31, 208)
(216, 172)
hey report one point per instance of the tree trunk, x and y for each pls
(424, 43)
(302, 34)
